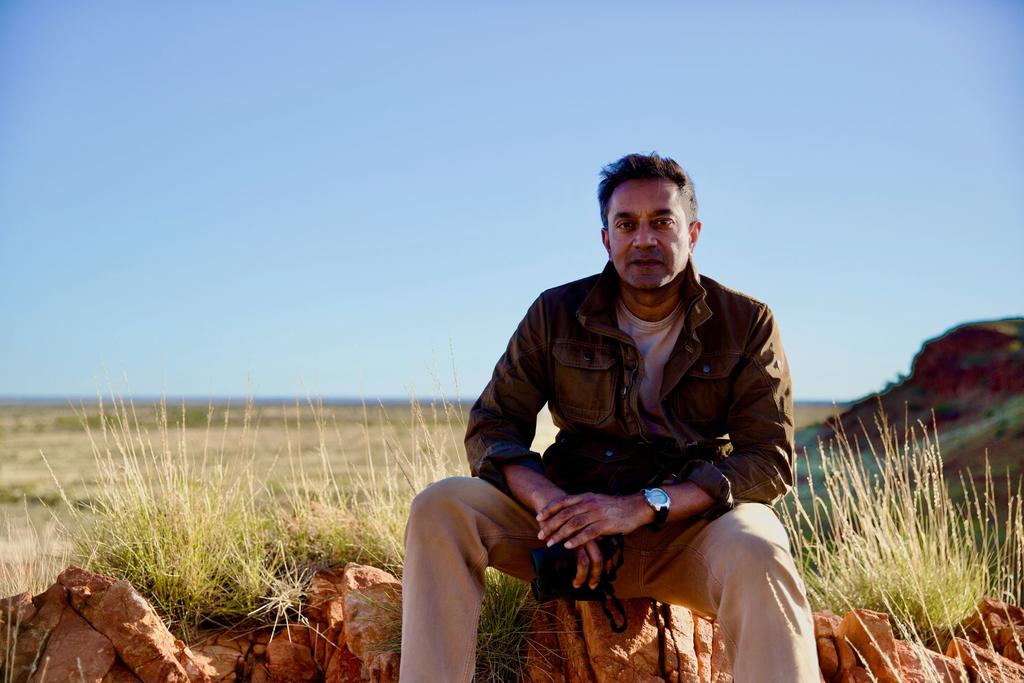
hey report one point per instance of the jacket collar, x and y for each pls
(598, 308)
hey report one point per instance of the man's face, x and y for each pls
(649, 237)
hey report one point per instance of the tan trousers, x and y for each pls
(737, 568)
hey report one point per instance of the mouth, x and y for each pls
(645, 263)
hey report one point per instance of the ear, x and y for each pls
(694, 234)
(605, 242)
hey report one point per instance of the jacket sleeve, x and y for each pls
(503, 421)
(760, 425)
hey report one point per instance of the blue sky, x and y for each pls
(243, 197)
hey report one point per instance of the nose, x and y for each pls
(643, 237)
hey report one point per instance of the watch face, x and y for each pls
(656, 497)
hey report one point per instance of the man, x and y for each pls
(647, 368)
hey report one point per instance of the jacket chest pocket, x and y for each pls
(704, 394)
(584, 380)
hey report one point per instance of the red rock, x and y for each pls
(324, 643)
(289, 658)
(323, 594)
(828, 657)
(1011, 635)
(947, 669)
(1014, 651)
(119, 673)
(82, 583)
(870, 634)
(75, 651)
(16, 609)
(682, 657)
(628, 656)
(703, 637)
(995, 622)
(911, 663)
(825, 624)
(372, 614)
(1011, 614)
(32, 636)
(382, 667)
(721, 668)
(574, 642)
(140, 638)
(222, 661)
(855, 675)
(343, 667)
(195, 670)
(571, 643)
(920, 665)
(358, 577)
(543, 663)
(239, 641)
(260, 675)
(989, 618)
(984, 663)
(847, 657)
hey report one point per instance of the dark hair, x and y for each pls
(637, 166)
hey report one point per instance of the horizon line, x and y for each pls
(53, 399)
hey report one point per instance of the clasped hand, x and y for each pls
(579, 520)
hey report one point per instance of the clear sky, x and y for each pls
(347, 198)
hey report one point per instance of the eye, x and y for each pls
(663, 222)
(624, 226)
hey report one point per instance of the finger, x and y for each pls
(582, 568)
(556, 522)
(569, 530)
(556, 505)
(609, 562)
(596, 563)
(585, 535)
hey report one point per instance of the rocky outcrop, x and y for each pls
(88, 627)
(861, 647)
(970, 378)
(572, 642)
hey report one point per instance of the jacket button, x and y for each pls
(609, 453)
(707, 368)
(588, 356)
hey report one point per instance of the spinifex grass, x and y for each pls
(363, 519)
(202, 536)
(190, 534)
(885, 535)
(505, 620)
(30, 555)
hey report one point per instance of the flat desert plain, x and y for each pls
(283, 440)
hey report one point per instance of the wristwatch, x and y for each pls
(659, 500)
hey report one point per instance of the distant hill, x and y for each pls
(972, 379)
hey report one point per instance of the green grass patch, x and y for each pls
(880, 530)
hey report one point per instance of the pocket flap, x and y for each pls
(575, 354)
(713, 365)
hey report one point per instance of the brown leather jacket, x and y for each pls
(726, 377)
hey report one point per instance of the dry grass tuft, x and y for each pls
(882, 532)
